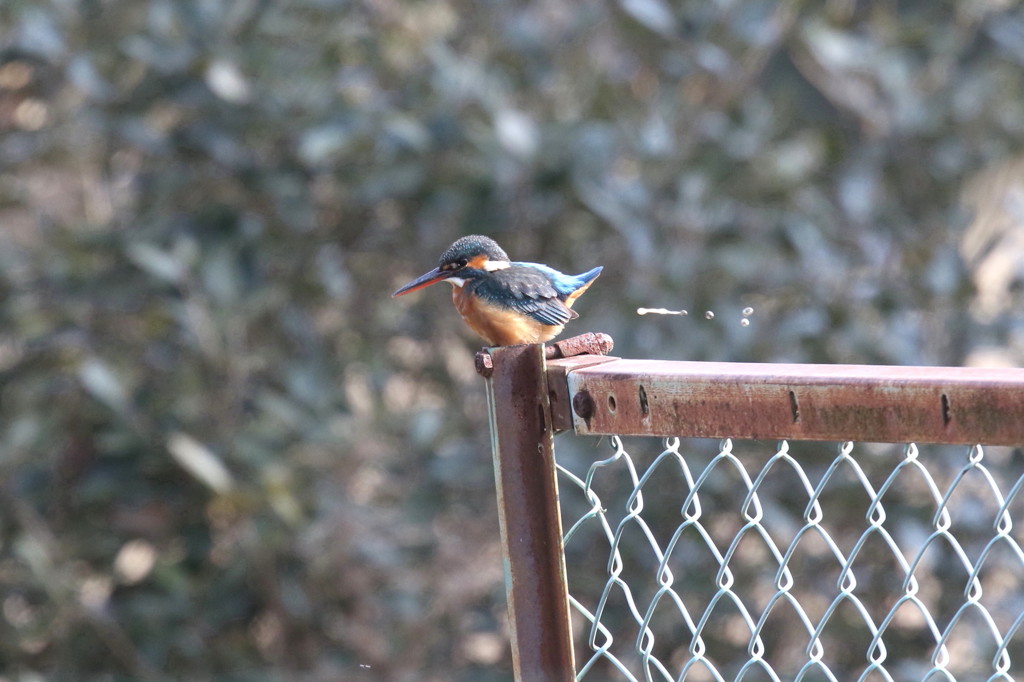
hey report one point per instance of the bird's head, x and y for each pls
(471, 256)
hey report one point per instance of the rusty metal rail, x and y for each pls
(957, 405)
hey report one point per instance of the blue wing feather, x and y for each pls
(525, 290)
(533, 289)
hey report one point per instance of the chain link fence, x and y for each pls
(720, 560)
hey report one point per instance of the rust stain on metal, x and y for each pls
(558, 388)
(583, 405)
(521, 435)
(590, 343)
(814, 402)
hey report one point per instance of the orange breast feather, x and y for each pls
(500, 326)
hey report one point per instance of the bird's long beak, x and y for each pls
(424, 280)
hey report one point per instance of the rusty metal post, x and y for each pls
(528, 513)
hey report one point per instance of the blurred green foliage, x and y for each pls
(225, 453)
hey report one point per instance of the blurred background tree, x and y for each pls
(225, 453)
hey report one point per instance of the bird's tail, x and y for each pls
(582, 282)
(588, 276)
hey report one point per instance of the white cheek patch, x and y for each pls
(456, 281)
(492, 265)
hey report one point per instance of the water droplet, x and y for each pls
(709, 315)
(660, 311)
(744, 322)
(748, 311)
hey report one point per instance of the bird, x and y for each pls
(506, 303)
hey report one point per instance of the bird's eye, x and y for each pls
(463, 262)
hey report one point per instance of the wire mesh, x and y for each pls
(800, 561)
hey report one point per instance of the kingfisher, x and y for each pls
(505, 302)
